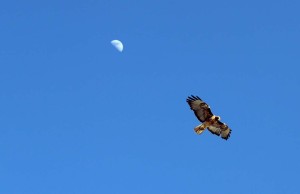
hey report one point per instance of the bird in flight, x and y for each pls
(208, 119)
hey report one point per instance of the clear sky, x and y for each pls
(79, 117)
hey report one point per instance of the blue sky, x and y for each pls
(77, 116)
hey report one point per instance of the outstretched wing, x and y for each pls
(200, 108)
(219, 128)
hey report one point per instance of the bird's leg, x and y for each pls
(199, 129)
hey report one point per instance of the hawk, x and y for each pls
(208, 119)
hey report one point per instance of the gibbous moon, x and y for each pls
(117, 44)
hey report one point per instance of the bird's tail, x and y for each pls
(199, 129)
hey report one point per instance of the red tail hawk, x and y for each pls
(209, 121)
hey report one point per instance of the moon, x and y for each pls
(117, 44)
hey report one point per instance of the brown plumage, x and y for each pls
(208, 119)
